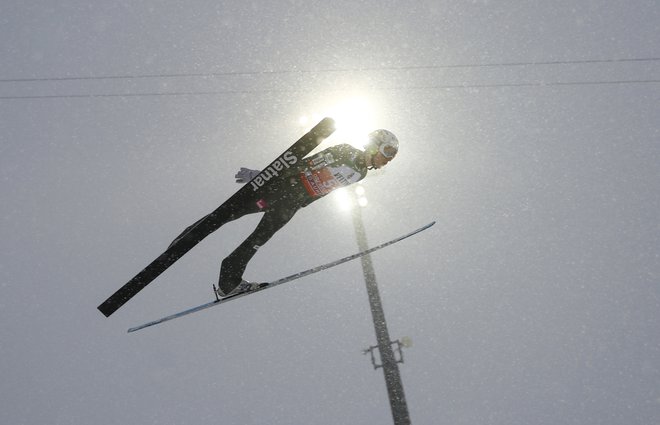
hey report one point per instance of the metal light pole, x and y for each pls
(389, 363)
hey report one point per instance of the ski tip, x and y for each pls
(325, 127)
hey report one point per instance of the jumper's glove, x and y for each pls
(245, 175)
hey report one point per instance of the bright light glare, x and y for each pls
(343, 199)
(354, 117)
(359, 190)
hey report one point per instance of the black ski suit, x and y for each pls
(300, 185)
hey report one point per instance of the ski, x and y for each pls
(204, 227)
(280, 281)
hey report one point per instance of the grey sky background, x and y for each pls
(534, 299)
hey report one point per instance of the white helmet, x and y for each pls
(383, 141)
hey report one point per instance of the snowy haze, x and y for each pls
(533, 300)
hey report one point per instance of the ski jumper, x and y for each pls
(305, 182)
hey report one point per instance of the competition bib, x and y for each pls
(322, 176)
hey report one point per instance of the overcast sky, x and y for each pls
(534, 300)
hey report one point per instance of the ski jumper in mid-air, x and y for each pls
(297, 186)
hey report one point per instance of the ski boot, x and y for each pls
(243, 286)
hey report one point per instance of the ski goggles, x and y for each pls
(387, 150)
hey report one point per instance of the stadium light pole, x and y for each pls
(389, 362)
